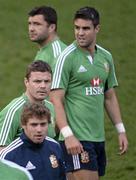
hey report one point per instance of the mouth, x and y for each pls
(81, 38)
(31, 35)
(42, 92)
(39, 137)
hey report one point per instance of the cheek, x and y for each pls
(31, 90)
(29, 131)
(44, 32)
(46, 129)
(76, 33)
(48, 86)
(32, 131)
(33, 87)
(29, 85)
(92, 34)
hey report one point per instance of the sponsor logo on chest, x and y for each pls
(95, 88)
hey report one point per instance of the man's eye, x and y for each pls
(37, 81)
(76, 27)
(34, 125)
(86, 28)
(43, 124)
(36, 23)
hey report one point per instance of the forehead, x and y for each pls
(39, 75)
(36, 18)
(36, 120)
(83, 22)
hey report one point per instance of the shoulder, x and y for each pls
(14, 105)
(104, 52)
(51, 142)
(53, 147)
(68, 51)
(11, 149)
(57, 47)
(61, 43)
(49, 104)
(15, 170)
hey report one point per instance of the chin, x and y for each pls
(38, 141)
(34, 40)
(41, 98)
(84, 45)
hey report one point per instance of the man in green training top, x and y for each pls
(83, 82)
(12, 171)
(42, 24)
(38, 82)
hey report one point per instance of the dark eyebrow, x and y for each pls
(84, 27)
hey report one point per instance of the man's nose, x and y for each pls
(39, 128)
(81, 31)
(43, 84)
(31, 27)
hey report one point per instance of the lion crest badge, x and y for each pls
(54, 161)
(85, 157)
(106, 66)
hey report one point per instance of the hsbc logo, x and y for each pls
(93, 91)
(95, 88)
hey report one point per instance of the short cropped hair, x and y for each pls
(38, 66)
(88, 13)
(38, 110)
(49, 14)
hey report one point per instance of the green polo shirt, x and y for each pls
(85, 80)
(10, 126)
(12, 171)
(50, 52)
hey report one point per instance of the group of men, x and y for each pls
(71, 103)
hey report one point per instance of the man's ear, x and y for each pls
(52, 27)
(22, 126)
(97, 28)
(25, 81)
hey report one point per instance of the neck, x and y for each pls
(48, 40)
(91, 50)
(32, 99)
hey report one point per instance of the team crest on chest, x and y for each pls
(106, 66)
(54, 161)
(85, 157)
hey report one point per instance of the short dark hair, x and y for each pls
(38, 110)
(38, 66)
(49, 14)
(88, 13)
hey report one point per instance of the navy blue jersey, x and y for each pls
(44, 161)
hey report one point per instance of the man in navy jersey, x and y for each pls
(39, 154)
